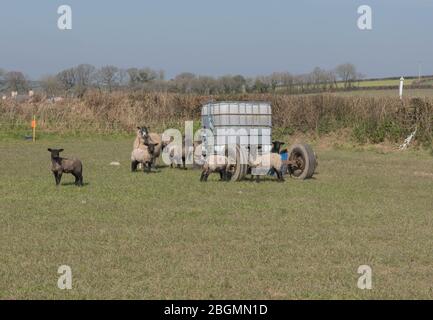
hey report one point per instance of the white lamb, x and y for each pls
(270, 161)
(215, 163)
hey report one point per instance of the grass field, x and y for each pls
(380, 83)
(412, 93)
(166, 235)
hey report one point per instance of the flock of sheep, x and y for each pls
(148, 147)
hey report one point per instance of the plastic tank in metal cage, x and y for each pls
(245, 122)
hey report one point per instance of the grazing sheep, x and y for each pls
(150, 137)
(215, 163)
(274, 162)
(63, 165)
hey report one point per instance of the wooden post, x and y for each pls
(34, 128)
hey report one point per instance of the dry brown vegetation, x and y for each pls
(370, 119)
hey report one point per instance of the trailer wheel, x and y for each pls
(304, 161)
(239, 168)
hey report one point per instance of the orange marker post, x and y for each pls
(34, 128)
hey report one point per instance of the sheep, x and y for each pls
(143, 154)
(276, 146)
(274, 162)
(215, 163)
(177, 156)
(199, 154)
(63, 165)
(150, 137)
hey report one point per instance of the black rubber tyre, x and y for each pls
(240, 168)
(305, 158)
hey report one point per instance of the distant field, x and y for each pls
(387, 93)
(167, 236)
(379, 83)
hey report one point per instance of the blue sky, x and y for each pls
(248, 37)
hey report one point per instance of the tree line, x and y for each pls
(77, 80)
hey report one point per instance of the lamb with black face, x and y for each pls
(61, 165)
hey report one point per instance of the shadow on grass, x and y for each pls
(66, 184)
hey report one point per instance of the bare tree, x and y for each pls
(142, 77)
(16, 81)
(232, 84)
(200, 84)
(51, 85)
(108, 77)
(66, 79)
(84, 73)
(2, 78)
(347, 73)
(184, 82)
(261, 84)
(287, 81)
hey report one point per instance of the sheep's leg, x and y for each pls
(134, 165)
(77, 178)
(184, 163)
(204, 176)
(149, 167)
(280, 175)
(58, 178)
(226, 176)
(203, 173)
(221, 175)
(257, 178)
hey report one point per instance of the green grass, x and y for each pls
(379, 83)
(413, 93)
(166, 235)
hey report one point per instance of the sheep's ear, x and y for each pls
(49, 149)
(61, 150)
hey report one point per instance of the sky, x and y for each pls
(218, 37)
